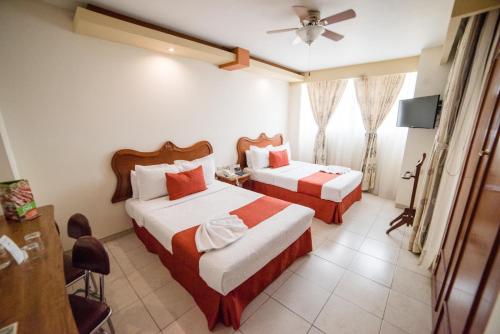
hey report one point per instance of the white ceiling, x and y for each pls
(383, 29)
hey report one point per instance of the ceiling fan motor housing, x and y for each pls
(314, 16)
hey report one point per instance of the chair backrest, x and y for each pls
(78, 226)
(90, 254)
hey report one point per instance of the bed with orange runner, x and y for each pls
(223, 281)
(329, 193)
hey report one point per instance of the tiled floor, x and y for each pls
(357, 280)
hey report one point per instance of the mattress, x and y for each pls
(287, 177)
(226, 268)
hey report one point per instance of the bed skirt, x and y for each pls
(328, 211)
(216, 307)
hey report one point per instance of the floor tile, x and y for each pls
(375, 269)
(168, 303)
(271, 288)
(377, 232)
(409, 261)
(134, 319)
(302, 297)
(321, 229)
(380, 250)
(361, 227)
(412, 284)
(194, 321)
(322, 272)
(389, 211)
(114, 270)
(314, 330)
(336, 253)
(254, 305)
(408, 314)
(346, 238)
(119, 294)
(317, 241)
(342, 317)
(361, 213)
(387, 328)
(363, 292)
(150, 278)
(124, 243)
(274, 318)
(135, 259)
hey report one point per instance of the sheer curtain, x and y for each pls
(391, 144)
(346, 133)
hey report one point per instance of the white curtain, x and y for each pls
(391, 142)
(461, 138)
(452, 102)
(324, 97)
(376, 95)
(346, 134)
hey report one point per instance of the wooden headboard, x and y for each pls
(263, 140)
(125, 160)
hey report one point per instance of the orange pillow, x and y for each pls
(185, 183)
(278, 158)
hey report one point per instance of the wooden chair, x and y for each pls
(406, 218)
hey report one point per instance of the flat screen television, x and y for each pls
(420, 112)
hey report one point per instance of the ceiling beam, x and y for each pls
(400, 65)
(101, 23)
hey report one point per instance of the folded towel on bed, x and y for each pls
(219, 232)
(332, 169)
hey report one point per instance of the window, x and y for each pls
(346, 135)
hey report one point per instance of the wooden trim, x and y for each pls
(125, 160)
(400, 65)
(262, 140)
(152, 26)
(242, 60)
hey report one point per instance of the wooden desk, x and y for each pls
(34, 293)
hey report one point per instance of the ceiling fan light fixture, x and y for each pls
(308, 34)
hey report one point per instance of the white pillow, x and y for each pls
(133, 179)
(249, 159)
(259, 157)
(133, 182)
(285, 146)
(208, 164)
(151, 181)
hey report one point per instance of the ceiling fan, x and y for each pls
(312, 25)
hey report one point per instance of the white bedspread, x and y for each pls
(288, 177)
(223, 269)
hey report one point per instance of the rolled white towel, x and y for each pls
(219, 232)
(332, 169)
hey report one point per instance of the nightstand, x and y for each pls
(234, 180)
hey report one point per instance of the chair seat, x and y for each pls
(88, 314)
(71, 273)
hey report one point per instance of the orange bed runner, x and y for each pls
(184, 245)
(312, 184)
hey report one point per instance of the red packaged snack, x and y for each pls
(17, 200)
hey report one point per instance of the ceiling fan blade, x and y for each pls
(332, 35)
(281, 30)
(296, 40)
(302, 12)
(342, 16)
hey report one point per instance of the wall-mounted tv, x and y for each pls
(419, 112)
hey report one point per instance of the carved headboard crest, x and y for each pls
(262, 140)
(124, 161)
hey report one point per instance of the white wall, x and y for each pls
(431, 80)
(70, 101)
